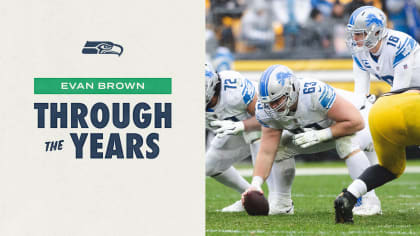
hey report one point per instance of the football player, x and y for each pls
(389, 55)
(304, 116)
(395, 124)
(230, 100)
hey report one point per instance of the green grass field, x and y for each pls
(313, 198)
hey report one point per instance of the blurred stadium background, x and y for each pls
(306, 35)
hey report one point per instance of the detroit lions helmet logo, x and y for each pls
(281, 76)
(102, 47)
(208, 73)
(372, 19)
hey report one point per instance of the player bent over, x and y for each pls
(395, 124)
(303, 116)
(230, 100)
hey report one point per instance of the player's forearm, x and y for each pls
(263, 164)
(268, 148)
(270, 140)
(345, 128)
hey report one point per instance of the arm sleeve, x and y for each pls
(323, 98)
(248, 92)
(361, 80)
(403, 73)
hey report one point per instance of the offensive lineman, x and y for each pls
(230, 100)
(303, 116)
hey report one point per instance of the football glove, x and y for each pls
(310, 138)
(227, 127)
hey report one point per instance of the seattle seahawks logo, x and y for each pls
(372, 19)
(102, 47)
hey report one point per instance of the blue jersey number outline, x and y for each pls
(309, 87)
(230, 83)
(393, 39)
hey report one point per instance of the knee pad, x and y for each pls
(282, 154)
(346, 145)
(288, 171)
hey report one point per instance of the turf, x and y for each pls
(313, 198)
(337, 163)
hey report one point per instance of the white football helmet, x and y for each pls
(369, 21)
(212, 79)
(278, 81)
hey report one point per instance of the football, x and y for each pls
(256, 204)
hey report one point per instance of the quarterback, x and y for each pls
(230, 110)
(389, 55)
(304, 116)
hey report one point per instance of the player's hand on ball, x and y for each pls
(254, 202)
(250, 189)
(227, 127)
(310, 138)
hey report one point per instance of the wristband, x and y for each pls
(257, 181)
(325, 134)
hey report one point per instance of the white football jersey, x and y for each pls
(315, 100)
(236, 92)
(395, 47)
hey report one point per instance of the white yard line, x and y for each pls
(327, 171)
(292, 232)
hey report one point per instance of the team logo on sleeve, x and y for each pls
(248, 92)
(102, 47)
(327, 97)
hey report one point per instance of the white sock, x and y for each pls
(357, 188)
(232, 179)
(283, 174)
(373, 159)
(356, 164)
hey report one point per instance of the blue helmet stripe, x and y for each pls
(356, 13)
(264, 80)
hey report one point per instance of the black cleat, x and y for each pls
(343, 205)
